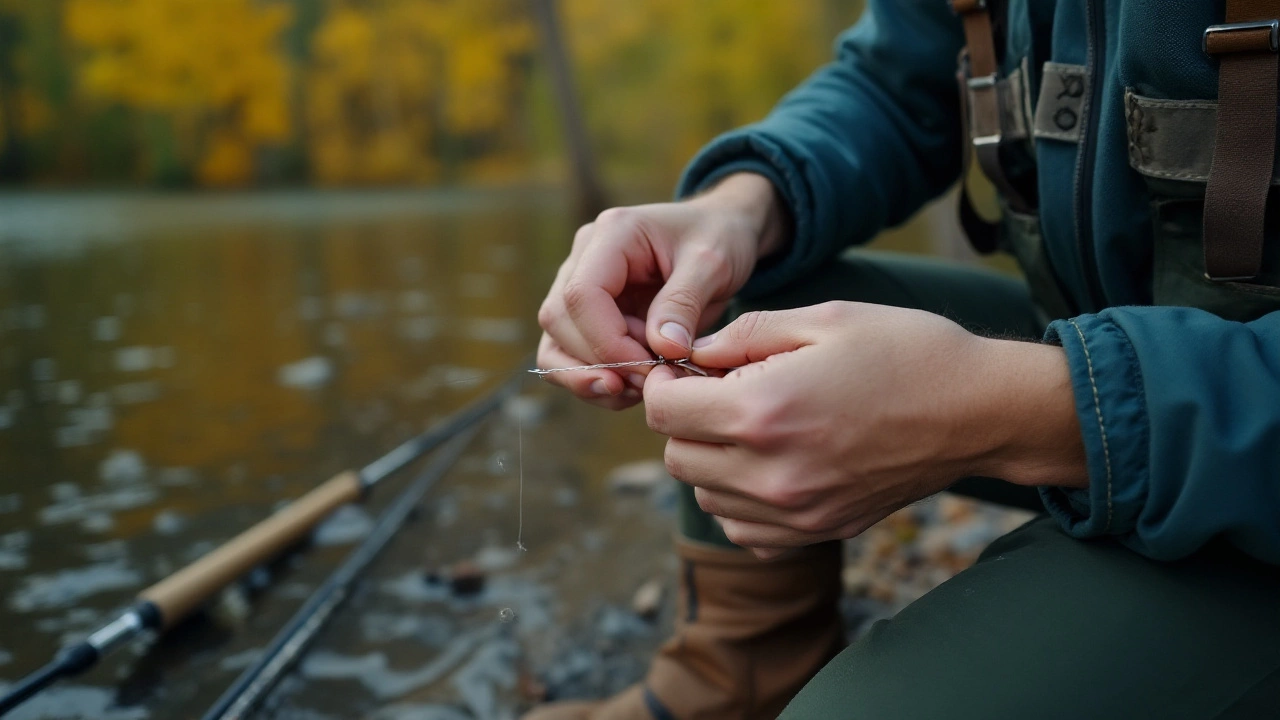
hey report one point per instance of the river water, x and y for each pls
(173, 368)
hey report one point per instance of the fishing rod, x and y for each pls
(166, 603)
(293, 639)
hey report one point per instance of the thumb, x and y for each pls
(752, 337)
(679, 305)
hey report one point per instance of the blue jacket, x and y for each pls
(1180, 408)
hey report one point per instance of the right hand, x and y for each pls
(650, 278)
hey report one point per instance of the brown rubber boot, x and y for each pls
(749, 634)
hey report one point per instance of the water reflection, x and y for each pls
(173, 367)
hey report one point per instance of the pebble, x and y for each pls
(638, 477)
(648, 599)
(466, 578)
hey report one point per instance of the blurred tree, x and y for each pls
(342, 92)
(409, 90)
(589, 194)
(209, 74)
(12, 153)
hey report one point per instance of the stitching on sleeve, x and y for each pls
(1097, 408)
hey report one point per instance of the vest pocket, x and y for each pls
(1020, 236)
(1171, 145)
(1178, 264)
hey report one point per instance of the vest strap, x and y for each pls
(1247, 47)
(981, 97)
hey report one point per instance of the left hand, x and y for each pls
(839, 414)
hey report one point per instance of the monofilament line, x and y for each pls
(520, 462)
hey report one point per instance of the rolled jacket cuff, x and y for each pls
(1110, 404)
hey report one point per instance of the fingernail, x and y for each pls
(675, 333)
(636, 379)
(598, 387)
(631, 394)
(704, 341)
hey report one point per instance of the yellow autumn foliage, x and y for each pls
(402, 91)
(205, 62)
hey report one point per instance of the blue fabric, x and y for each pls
(1180, 409)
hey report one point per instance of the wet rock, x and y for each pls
(490, 670)
(563, 497)
(73, 702)
(420, 711)
(493, 559)
(10, 503)
(531, 690)
(637, 477)
(68, 587)
(526, 410)
(307, 374)
(123, 467)
(168, 522)
(856, 580)
(617, 624)
(648, 599)
(346, 525)
(466, 578)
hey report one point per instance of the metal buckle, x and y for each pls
(1272, 25)
(975, 86)
(979, 6)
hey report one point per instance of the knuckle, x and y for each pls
(547, 315)
(748, 325)
(780, 492)
(815, 521)
(713, 259)
(576, 295)
(758, 422)
(733, 531)
(616, 216)
(675, 468)
(685, 298)
(707, 502)
(583, 235)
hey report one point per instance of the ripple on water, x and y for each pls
(67, 587)
(73, 702)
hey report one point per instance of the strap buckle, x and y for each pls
(964, 7)
(1213, 35)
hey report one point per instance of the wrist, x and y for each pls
(756, 200)
(1026, 417)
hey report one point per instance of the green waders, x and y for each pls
(1042, 626)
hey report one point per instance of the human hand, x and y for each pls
(650, 277)
(841, 413)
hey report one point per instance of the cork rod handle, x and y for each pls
(182, 592)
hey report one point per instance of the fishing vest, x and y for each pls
(1209, 164)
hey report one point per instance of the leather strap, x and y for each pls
(982, 117)
(1235, 199)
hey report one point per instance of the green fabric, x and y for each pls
(1179, 407)
(978, 299)
(1047, 626)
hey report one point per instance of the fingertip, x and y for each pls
(767, 554)
(659, 375)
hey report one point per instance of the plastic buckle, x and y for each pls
(1272, 25)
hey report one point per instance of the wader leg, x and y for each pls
(1046, 626)
(982, 301)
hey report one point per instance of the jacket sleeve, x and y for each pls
(861, 144)
(1180, 412)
